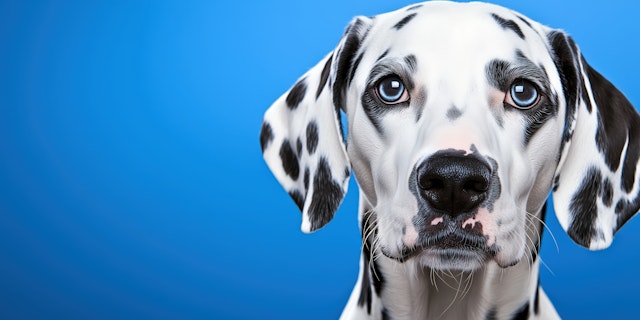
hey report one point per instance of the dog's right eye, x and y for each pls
(391, 90)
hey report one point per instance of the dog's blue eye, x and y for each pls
(391, 90)
(523, 94)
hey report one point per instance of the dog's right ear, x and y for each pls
(302, 139)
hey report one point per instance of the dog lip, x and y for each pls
(444, 243)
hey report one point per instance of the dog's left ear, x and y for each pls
(302, 139)
(596, 189)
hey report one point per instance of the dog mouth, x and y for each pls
(447, 250)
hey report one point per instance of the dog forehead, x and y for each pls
(454, 31)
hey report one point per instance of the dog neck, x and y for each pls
(410, 291)
(388, 288)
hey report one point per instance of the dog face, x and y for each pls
(461, 118)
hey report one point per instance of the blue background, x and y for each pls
(131, 178)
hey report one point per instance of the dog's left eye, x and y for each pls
(391, 90)
(523, 94)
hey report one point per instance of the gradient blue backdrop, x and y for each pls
(131, 180)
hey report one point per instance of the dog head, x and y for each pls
(461, 118)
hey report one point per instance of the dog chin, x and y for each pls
(457, 259)
(452, 259)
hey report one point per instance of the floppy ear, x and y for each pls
(302, 139)
(596, 189)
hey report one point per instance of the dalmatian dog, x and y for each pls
(461, 120)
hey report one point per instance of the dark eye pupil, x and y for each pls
(390, 89)
(524, 94)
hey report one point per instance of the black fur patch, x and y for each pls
(345, 61)
(356, 63)
(508, 24)
(525, 21)
(289, 160)
(385, 314)
(266, 135)
(453, 113)
(366, 292)
(306, 179)
(312, 137)
(523, 313)
(404, 21)
(411, 62)
(618, 122)
(565, 57)
(298, 198)
(584, 209)
(414, 7)
(538, 242)
(296, 94)
(299, 147)
(384, 54)
(492, 314)
(324, 76)
(365, 286)
(607, 192)
(327, 195)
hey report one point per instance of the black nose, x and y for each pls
(454, 183)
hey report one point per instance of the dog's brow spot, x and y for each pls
(508, 24)
(404, 21)
(453, 113)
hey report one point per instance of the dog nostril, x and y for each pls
(431, 184)
(476, 185)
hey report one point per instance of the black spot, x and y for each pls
(411, 62)
(508, 24)
(365, 286)
(347, 172)
(556, 183)
(296, 94)
(565, 58)
(299, 147)
(384, 54)
(289, 160)
(306, 179)
(298, 198)
(414, 7)
(618, 122)
(324, 76)
(536, 248)
(354, 35)
(492, 314)
(626, 209)
(453, 113)
(584, 209)
(404, 21)
(327, 196)
(525, 21)
(312, 137)
(366, 291)
(607, 192)
(356, 63)
(523, 313)
(385, 314)
(266, 135)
